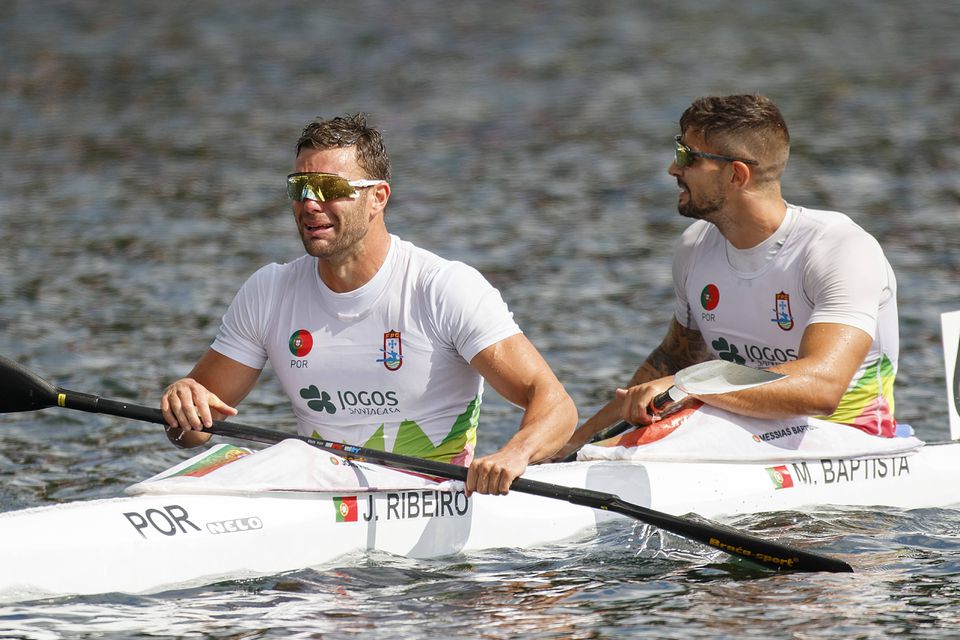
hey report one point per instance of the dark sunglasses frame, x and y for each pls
(685, 156)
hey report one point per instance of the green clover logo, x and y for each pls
(318, 400)
(727, 351)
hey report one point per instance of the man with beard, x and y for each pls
(765, 283)
(375, 341)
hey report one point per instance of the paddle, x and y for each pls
(23, 390)
(714, 376)
(956, 383)
(703, 378)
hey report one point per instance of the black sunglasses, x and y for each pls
(685, 156)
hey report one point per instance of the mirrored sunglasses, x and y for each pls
(324, 186)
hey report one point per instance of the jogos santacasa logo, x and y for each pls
(761, 355)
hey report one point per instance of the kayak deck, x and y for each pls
(154, 542)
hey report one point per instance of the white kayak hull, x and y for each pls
(151, 543)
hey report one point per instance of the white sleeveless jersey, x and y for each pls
(385, 366)
(752, 306)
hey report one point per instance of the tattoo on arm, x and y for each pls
(688, 346)
(657, 365)
(680, 348)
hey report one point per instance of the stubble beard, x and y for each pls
(349, 233)
(347, 238)
(704, 210)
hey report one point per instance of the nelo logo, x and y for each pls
(235, 525)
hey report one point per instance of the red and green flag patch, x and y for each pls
(346, 508)
(301, 341)
(781, 476)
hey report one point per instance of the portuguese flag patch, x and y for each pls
(346, 508)
(780, 476)
(301, 342)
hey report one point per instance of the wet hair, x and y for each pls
(748, 126)
(350, 131)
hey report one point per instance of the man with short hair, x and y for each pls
(768, 284)
(375, 341)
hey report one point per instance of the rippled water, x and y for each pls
(141, 150)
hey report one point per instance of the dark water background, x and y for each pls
(142, 150)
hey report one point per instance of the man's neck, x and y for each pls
(350, 272)
(754, 221)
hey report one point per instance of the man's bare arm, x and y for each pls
(520, 374)
(829, 356)
(680, 347)
(209, 392)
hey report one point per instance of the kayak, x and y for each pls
(156, 541)
(189, 526)
(232, 513)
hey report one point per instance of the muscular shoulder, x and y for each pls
(846, 275)
(838, 241)
(463, 308)
(272, 279)
(698, 235)
(277, 273)
(833, 227)
(440, 278)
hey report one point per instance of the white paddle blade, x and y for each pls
(720, 376)
(950, 327)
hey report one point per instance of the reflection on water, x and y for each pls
(141, 151)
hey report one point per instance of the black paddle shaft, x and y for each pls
(23, 390)
(768, 553)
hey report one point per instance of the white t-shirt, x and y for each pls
(752, 306)
(385, 366)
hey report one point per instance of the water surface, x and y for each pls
(142, 149)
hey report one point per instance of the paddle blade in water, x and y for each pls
(22, 389)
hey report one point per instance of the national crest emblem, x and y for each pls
(784, 317)
(392, 351)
